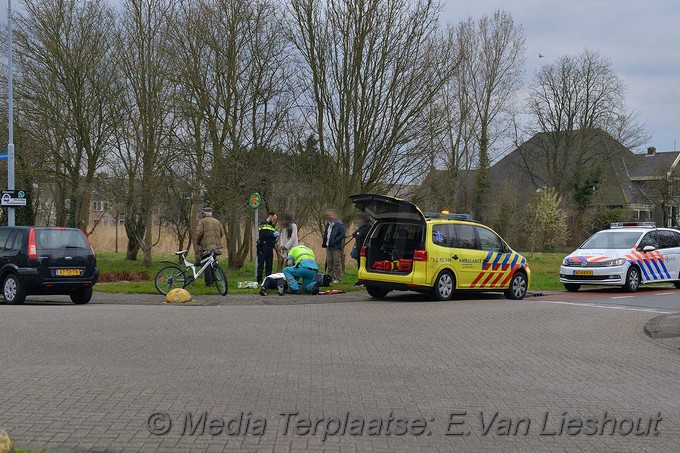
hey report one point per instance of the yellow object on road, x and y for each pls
(6, 443)
(178, 296)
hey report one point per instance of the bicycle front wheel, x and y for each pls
(168, 278)
(221, 281)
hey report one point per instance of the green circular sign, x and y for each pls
(255, 200)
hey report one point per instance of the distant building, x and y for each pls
(587, 164)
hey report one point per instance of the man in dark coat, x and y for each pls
(208, 237)
(334, 243)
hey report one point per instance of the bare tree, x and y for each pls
(146, 114)
(230, 62)
(369, 71)
(494, 49)
(67, 93)
(569, 101)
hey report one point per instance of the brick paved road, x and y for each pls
(89, 377)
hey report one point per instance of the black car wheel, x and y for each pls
(572, 287)
(632, 279)
(13, 291)
(444, 286)
(376, 292)
(82, 296)
(518, 287)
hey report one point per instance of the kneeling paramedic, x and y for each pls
(301, 264)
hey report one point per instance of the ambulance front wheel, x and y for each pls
(518, 286)
(632, 279)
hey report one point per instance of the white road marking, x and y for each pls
(611, 307)
(622, 297)
(664, 294)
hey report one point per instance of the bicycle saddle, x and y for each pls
(181, 252)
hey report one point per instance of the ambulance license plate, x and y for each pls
(68, 272)
(583, 272)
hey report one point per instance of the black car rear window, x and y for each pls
(60, 239)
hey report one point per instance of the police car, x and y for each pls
(434, 253)
(628, 255)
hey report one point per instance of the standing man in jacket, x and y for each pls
(334, 243)
(265, 245)
(208, 237)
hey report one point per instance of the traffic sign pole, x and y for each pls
(11, 220)
(255, 202)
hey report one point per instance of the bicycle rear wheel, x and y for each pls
(169, 278)
(221, 280)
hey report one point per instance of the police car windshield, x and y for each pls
(612, 240)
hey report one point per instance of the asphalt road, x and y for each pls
(91, 377)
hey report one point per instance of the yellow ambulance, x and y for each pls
(437, 253)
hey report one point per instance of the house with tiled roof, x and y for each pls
(590, 164)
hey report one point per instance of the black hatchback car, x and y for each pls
(46, 260)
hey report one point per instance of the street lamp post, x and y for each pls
(11, 220)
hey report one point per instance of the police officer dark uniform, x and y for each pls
(265, 245)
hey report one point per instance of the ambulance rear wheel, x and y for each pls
(444, 286)
(632, 280)
(572, 287)
(376, 292)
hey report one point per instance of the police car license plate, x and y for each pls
(68, 272)
(583, 272)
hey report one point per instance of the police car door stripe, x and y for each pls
(662, 262)
(655, 262)
(644, 264)
(635, 260)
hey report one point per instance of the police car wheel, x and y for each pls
(677, 284)
(572, 287)
(518, 287)
(632, 279)
(444, 286)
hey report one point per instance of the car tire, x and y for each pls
(444, 286)
(519, 286)
(376, 292)
(82, 296)
(12, 290)
(632, 279)
(572, 287)
(677, 282)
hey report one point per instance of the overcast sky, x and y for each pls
(641, 37)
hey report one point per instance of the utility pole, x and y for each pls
(11, 219)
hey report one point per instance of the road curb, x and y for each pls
(664, 326)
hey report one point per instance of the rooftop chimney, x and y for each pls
(651, 150)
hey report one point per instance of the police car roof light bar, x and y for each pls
(633, 224)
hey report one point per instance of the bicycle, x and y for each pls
(184, 273)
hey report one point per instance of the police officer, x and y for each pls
(302, 264)
(265, 245)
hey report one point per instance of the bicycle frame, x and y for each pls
(210, 260)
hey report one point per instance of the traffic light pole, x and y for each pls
(11, 219)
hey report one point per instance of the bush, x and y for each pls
(546, 222)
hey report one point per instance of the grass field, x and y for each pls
(544, 275)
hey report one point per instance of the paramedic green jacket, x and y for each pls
(303, 256)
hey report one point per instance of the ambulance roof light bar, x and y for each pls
(447, 215)
(633, 224)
